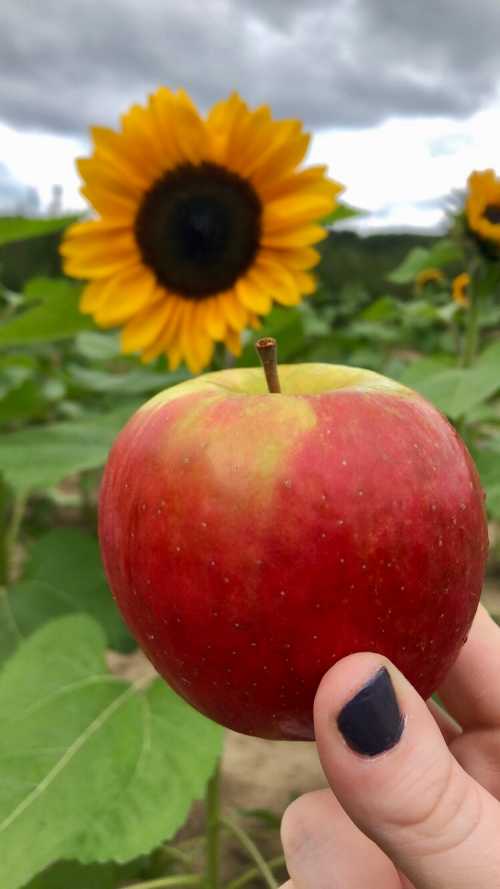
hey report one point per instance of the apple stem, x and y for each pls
(267, 350)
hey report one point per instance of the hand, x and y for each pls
(413, 798)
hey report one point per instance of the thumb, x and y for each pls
(388, 765)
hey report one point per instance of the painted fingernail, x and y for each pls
(371, 722)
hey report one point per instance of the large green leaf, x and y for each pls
(41, 456)
(51, 313)
(180, 755)
(439, 255)
(18, 228)
(134, 382)
(64, 575)
(457, 390)
(73, 875)
(71, 738)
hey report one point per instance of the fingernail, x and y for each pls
(371, 722)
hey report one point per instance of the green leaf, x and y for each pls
(442, 253)
(51, 313)
(71, 738)
(41, 456)
(407, 271)
(341, 212)
(457, 390)
(64, 575)
(383, 309)
(423, 368)
(180, 755)
(73, 875)
(18, 228)
(135, 382)
(96, 346)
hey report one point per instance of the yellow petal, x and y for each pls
(142, 330)
(214, 319)
(163, 104)
(232, 310)
(300, 237)
(250, 139)
(281, 282)
(253, 292)
(295, 260)
(307, 284)
(127, 295)
(108, 204)
(222, 120)
(169, 332)
(233, 342)
(295, 210)
(190, 134)
(121, 153)
(286, 157)
(98, 172)
(91, 296)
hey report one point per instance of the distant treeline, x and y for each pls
(347, 258)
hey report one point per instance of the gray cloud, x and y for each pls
(348, 63)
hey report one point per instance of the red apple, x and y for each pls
(253, 539)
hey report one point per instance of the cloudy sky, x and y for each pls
(403, 96)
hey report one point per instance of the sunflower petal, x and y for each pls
(300, 237)
(295, 210)
(91, 295)
(190, 134)
(252, 293)
(233, 311)
(282, 284)
(233, 342)
(296, 260)
(142, 330)
(214, 319)
(125, 296)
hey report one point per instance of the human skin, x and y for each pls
(424, 814)
(252, 539)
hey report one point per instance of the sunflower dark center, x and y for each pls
(198, 228)
(492, 213)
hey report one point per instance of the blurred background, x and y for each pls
(403, 99)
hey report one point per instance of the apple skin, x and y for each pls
(251, 540)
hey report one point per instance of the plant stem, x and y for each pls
(212, 810)
(471, 340)
(11, 533)
(175, 880)
(267, 350)
(253, 872)
(248, 844)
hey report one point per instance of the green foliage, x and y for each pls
(101, 772)
(69, 731)
(18, 228)
(440, 255)
(64, 575)
(73, 731)
(49, 313)
(34, 458)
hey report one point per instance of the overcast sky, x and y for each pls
(403, 96)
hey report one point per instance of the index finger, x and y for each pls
(471, 690)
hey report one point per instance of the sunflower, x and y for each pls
(202, 223)
(483, 205)
(429, 275)
(459, 289)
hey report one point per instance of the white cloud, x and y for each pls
(401, 171)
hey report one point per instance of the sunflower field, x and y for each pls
(202, 234)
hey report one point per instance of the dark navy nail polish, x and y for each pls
(371, 722)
